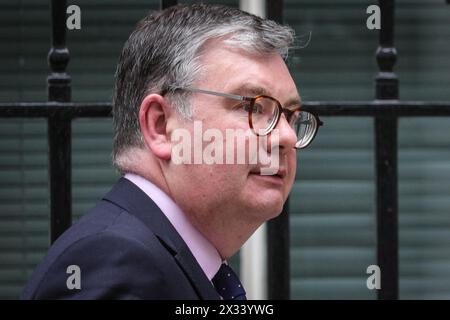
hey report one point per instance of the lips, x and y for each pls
(281, 172)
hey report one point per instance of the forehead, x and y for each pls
(233, 70)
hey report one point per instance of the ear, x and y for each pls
(153, 116)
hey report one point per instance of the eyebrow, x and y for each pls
(294, 102)
(249, 89)
(254, 90)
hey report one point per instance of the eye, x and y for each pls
(256, 108)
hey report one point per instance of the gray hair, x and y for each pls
(163, 53)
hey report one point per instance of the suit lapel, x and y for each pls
(128, 196)
(196, 275)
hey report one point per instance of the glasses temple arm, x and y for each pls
(220, 94)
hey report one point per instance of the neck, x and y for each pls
(226, 235)
(151, 171)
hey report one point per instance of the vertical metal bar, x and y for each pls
(386, 158)
(278, 268)
(278, 256)
(167, 3)
(59, 126)
(59, 135)
(387, 215)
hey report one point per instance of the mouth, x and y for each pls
(278, 175)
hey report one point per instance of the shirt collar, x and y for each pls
(204, 252)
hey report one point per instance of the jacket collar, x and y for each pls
(132, 199)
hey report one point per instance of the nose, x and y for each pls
(287, 138)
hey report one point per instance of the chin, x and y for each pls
(277, 212)
(269, 208)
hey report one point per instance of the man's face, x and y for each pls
(236, 190)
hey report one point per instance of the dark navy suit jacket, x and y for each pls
(126, 249)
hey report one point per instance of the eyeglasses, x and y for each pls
(264, 113)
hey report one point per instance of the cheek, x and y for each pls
(224, 178)
(222, 186)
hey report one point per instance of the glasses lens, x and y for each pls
(264, 115)
(305, 125)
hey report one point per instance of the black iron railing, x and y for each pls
(385, 110)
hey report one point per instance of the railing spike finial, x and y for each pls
(58, 81)
(386, 80)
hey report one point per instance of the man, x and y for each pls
(168, 226)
